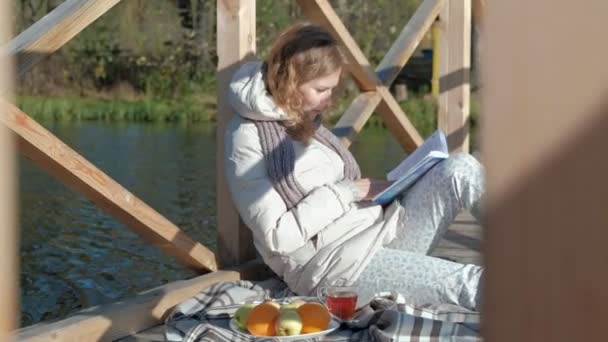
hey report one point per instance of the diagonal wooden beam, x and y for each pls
(119, 321)
(76, 172)
(392, 63)
(321, 12)
(34, 44)
(405, 45)
(112, 322)
(357, 114)
(392, 114)
(355, 117)
(54, 30)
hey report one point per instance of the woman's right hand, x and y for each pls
(369, 187)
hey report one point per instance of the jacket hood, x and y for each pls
(248, 95)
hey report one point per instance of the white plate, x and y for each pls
(333, 325)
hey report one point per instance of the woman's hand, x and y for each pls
(369, 187)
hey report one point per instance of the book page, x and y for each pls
(436, 142)
(410, 177)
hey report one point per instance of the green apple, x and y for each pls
(288, 323)
(240, 316)
(292, 305)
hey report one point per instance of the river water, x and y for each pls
(74, 256)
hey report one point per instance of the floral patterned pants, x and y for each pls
(427, 210)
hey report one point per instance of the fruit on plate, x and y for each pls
(261, 319)
(273, 303)
(288, 323)
(269, 318)
(241, 314)
(315, 317)
(292, 305)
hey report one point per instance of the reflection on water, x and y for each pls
(74, 256)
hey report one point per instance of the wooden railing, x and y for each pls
(374, 84)
(69, 167)
(76, 172)
(455, 22)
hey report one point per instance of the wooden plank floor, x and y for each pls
(461, 243)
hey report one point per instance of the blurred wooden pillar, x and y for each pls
(399, 91)
(545, 150)
(235, 43)
(9, 244)
(455, 65)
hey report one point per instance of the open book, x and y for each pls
(433, 150)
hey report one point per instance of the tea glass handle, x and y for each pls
(321, 292)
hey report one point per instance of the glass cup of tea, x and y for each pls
(341, 301)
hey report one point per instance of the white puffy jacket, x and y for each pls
(327, 238)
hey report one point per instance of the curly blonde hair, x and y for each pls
(301, 53)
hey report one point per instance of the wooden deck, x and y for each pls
(461, 243)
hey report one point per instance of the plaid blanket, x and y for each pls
(206, 317)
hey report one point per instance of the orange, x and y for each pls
(315, 317)
(260, 321)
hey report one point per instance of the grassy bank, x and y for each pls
(90, 109)
(421, 110)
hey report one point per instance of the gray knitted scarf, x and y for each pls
(280, 158)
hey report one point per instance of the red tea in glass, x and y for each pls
(342, 304)
(341, 301)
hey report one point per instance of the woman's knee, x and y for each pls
(462, 166)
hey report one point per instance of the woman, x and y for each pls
(301, 193)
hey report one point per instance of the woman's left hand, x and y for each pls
(369, 187)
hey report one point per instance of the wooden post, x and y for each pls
(545, 152)
(235, 43)
(455, 65)
(436, 33)
(9, 244)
